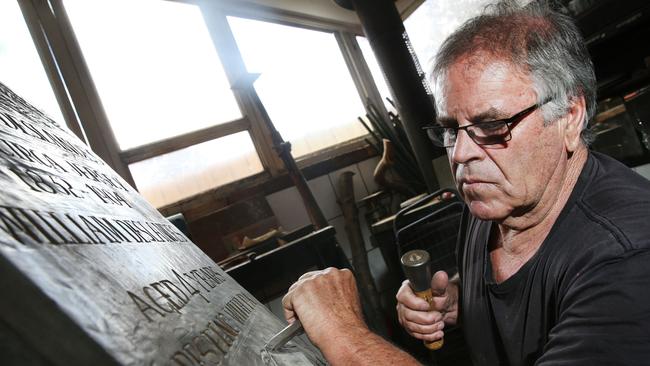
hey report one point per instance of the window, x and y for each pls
(304, 84)
(171, 177)
(154, 66)
(159, 76)
(375, 70)
(179, 127)
(434, 21)
(20, 67)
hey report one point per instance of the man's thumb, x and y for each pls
(439, 283)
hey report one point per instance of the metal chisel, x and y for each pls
(285, 335)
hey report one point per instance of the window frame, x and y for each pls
(72, 83)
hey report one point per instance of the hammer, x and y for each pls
(416, 265)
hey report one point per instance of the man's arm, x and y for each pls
(604, 318)
(327, 304)
(427, 322)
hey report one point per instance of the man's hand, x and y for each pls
(423, 321)
(327, 303)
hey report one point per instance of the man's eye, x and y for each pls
(449, 132)
(492, 127)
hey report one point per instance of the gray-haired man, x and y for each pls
(554, 249)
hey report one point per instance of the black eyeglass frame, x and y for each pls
(510, 123)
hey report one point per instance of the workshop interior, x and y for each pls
(281, 136)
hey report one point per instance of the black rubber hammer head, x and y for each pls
(417, 268)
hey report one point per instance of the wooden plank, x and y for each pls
(171, 144)
(91, 274)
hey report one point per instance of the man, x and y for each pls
(554, 248)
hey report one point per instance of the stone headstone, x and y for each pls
(91, 274)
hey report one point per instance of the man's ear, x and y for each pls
(575, 119)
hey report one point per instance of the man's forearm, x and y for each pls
(359, 346)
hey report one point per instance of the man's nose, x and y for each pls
(465, 148)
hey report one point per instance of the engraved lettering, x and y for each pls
(198, 342)
(157, 233)
(94, 175)
(43, 182)
(14, 224)
(30, 130)
(143, 306)
(228, 333)
(197, 281)
(147, 291)
(216, 277)
(67, 236)
(236, 312)
(142, 228)
(97, 232)
(176, 290)
(216, 342)
(210, 346)
(186, 348)
(180, 354)
(53, 164)
(161, 290)
(89, 241)
(196, 273)
(108, 196)
(131, 231)
(109, 228)
(188, 286)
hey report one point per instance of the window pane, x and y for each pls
(171, 177)
(304, 84)
(154, 65)
(20, 67)
(375, 70)
(434, 21)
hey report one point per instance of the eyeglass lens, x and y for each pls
(488, 133)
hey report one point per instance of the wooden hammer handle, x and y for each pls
(428, 296)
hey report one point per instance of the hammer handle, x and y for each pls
(427, 295)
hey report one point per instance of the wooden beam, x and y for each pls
(248, 9)
(171, 144)
(287, 17)
(76, 77)
(49, 63)
(240, 81)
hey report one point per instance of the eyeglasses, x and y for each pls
(482, 133)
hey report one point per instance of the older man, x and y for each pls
(554, 250)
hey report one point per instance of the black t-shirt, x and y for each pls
(584, 297)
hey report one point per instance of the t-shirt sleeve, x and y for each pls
(604, 318)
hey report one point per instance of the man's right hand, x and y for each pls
(423, 321)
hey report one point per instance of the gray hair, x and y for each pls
(537, 40)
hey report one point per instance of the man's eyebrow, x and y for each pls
(489, 115)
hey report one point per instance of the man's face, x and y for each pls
(507, 180)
